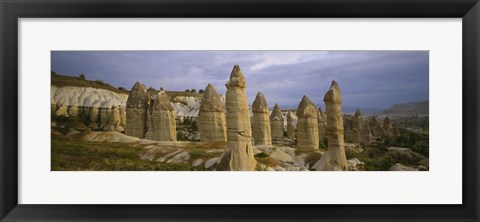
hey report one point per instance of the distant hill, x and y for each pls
(420, 108)
(61, 81)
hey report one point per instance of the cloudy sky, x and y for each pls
(371, 79)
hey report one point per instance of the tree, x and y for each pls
(201, 91)
(187, 90)
(193, 90)
(82, 76)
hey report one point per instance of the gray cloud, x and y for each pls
(376, 79)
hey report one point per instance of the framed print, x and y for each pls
(225, 110)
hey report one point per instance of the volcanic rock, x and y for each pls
(136, 111)
(290, 125)
(307, 124)
(161, 119)
(262, 133)
(360, 130)
(276, 121)
(335, 158)
(239, 135)
(212, 123)
(322, 125)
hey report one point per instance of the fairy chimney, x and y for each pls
(239, 135)
(161, 119)
(262, 133)
(322, 124)
(136, 111)
(334, 159)
(212, 123)
(290, 125)
(307, 124)
(276, 122)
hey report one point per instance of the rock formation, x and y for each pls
(307, 125)
(276, 122)
(114, 122)
(322, 124)
(334, 158)
(212, 124)
(161, 123)
(387, 126)
(239, 135)
(375, 128)
(290, 126)
(395, 132)
(262, 134)
(136, 109)
(360, 130)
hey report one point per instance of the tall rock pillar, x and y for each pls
(161, 119)
(239, 134)
(276, 122)
(290, 126)
(307, 125)
(136, 111)
(334, 158)
(262, 133)
(212, 124)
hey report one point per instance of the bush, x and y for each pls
(193, 90)
(82, 76)
(379, 164)
(201, 91)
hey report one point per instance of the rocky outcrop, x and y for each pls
(360, 130)
(290, 125)
(136, 110)
(375, 128)
(239, 135)
(262, 134)
(334, 158)
(387, 126)
(322, 125)
(277, 125)
(94, 106)
(115, 120)
(161, 119)
(212, 124)
(307, 125)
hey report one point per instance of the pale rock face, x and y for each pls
(239, 135)
(161, 119)
(322, 124)
(290, 125)
(335, 158)
(212, 124)
(307, 125)
(86, 97)
(262, 133)
(276, 122)
(136, 111)
(360, 130)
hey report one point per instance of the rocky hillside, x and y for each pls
(413, 108)
(71, 94)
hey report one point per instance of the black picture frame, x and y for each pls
(11, 11)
